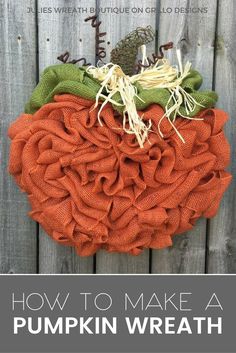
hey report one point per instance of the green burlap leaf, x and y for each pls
(191, 84)
(68, 78)
(161, 95)
(58, 79)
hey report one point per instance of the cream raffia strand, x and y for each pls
(159, 75)
(114, 80)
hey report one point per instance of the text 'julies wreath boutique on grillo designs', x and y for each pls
(122, 155)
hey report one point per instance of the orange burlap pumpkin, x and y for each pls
(92, 186)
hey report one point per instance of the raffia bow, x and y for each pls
(160, 75)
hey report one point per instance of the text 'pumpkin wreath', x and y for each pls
(121, 156)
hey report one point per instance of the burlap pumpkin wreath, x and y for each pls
(120, 160)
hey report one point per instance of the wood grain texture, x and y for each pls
(222, 229)
(57, 33)
(194, 33)
(117, 27)
(18, 237)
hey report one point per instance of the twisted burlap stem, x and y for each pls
(126, 50)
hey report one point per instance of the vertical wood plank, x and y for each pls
(221, 256)
(59, 32)
(18, 237)
(117, 27)
(194, 33)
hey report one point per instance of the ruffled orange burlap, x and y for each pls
(92, 186)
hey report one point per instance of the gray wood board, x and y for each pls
(194, 33)
(221, 256)
(18, 236)
(23, 45)
(117, 27)
(59, 32)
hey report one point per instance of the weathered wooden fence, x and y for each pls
(31, 41)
